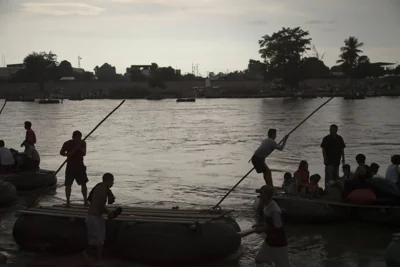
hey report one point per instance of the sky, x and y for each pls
(218, 35)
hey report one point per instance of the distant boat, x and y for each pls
(76, 98)
(191, 99)
(355, 96)
(155, 97)
(49, 101)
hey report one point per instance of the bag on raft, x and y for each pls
(384, 188)
(362, 196)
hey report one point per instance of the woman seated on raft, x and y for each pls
(302, 175)
(31, 157)
(362, 173)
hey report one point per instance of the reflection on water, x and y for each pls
(190, 154)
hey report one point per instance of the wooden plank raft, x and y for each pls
(133, 214)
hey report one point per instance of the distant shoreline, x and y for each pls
(277, 95)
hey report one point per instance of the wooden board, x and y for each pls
(138, 213)
(133, 214)
(120, 218)
(158, 210)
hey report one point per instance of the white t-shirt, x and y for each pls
(392, 173)
(6, 157)
(32, 153)
(267, 146)
(272, 210)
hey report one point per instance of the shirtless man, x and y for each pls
(95, 223)
(263, 151)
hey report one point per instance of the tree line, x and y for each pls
(284, 56)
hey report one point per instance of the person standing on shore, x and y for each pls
(75, 150)
(263, 151)
(332, 151)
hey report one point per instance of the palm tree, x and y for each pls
(349, 54)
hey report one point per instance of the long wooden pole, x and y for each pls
(5, 102)
(73, 151)
(294, 129)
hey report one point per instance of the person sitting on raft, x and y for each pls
(302, 175)
(312, 188)
(393, 171)
(289, 184)
(7, 161)
(374, 170)
(95, 223)
(32, 158)
(363, 172)
(347, 174)
(263, 151)
(275, 246)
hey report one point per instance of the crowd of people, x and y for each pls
(274, 249)
(333, 145)
(11, 161)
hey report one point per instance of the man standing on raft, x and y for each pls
(332, 151)
(263, 151)
(75, 150)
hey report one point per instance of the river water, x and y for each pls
(164, 153)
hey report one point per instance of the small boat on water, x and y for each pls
(318, 210)
(30, 180)
(355, 96)
(49, 101)
(186, 99)
(147, 235)
(8, 194)
(155, 97)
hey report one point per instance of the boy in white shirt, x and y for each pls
(7, 161)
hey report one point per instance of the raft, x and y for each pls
(186, 100)
(25, 181)
(303, 210)
(8, 193)
(147, 235)
(392, 253)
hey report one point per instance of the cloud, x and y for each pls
(316, 21)
(61, 9)
(216, 7)
(328, 30)
(259, 22)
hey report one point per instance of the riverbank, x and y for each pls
(222, 96)
(218, 89)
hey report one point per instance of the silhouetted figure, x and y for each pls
(332, 150)
(30, 134)
(263, 151)
(7, 161)
(75, 150)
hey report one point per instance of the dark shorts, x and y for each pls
(259, 164)
(77, 173)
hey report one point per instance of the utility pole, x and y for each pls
(79, 62)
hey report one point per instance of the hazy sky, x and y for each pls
(219, 35)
